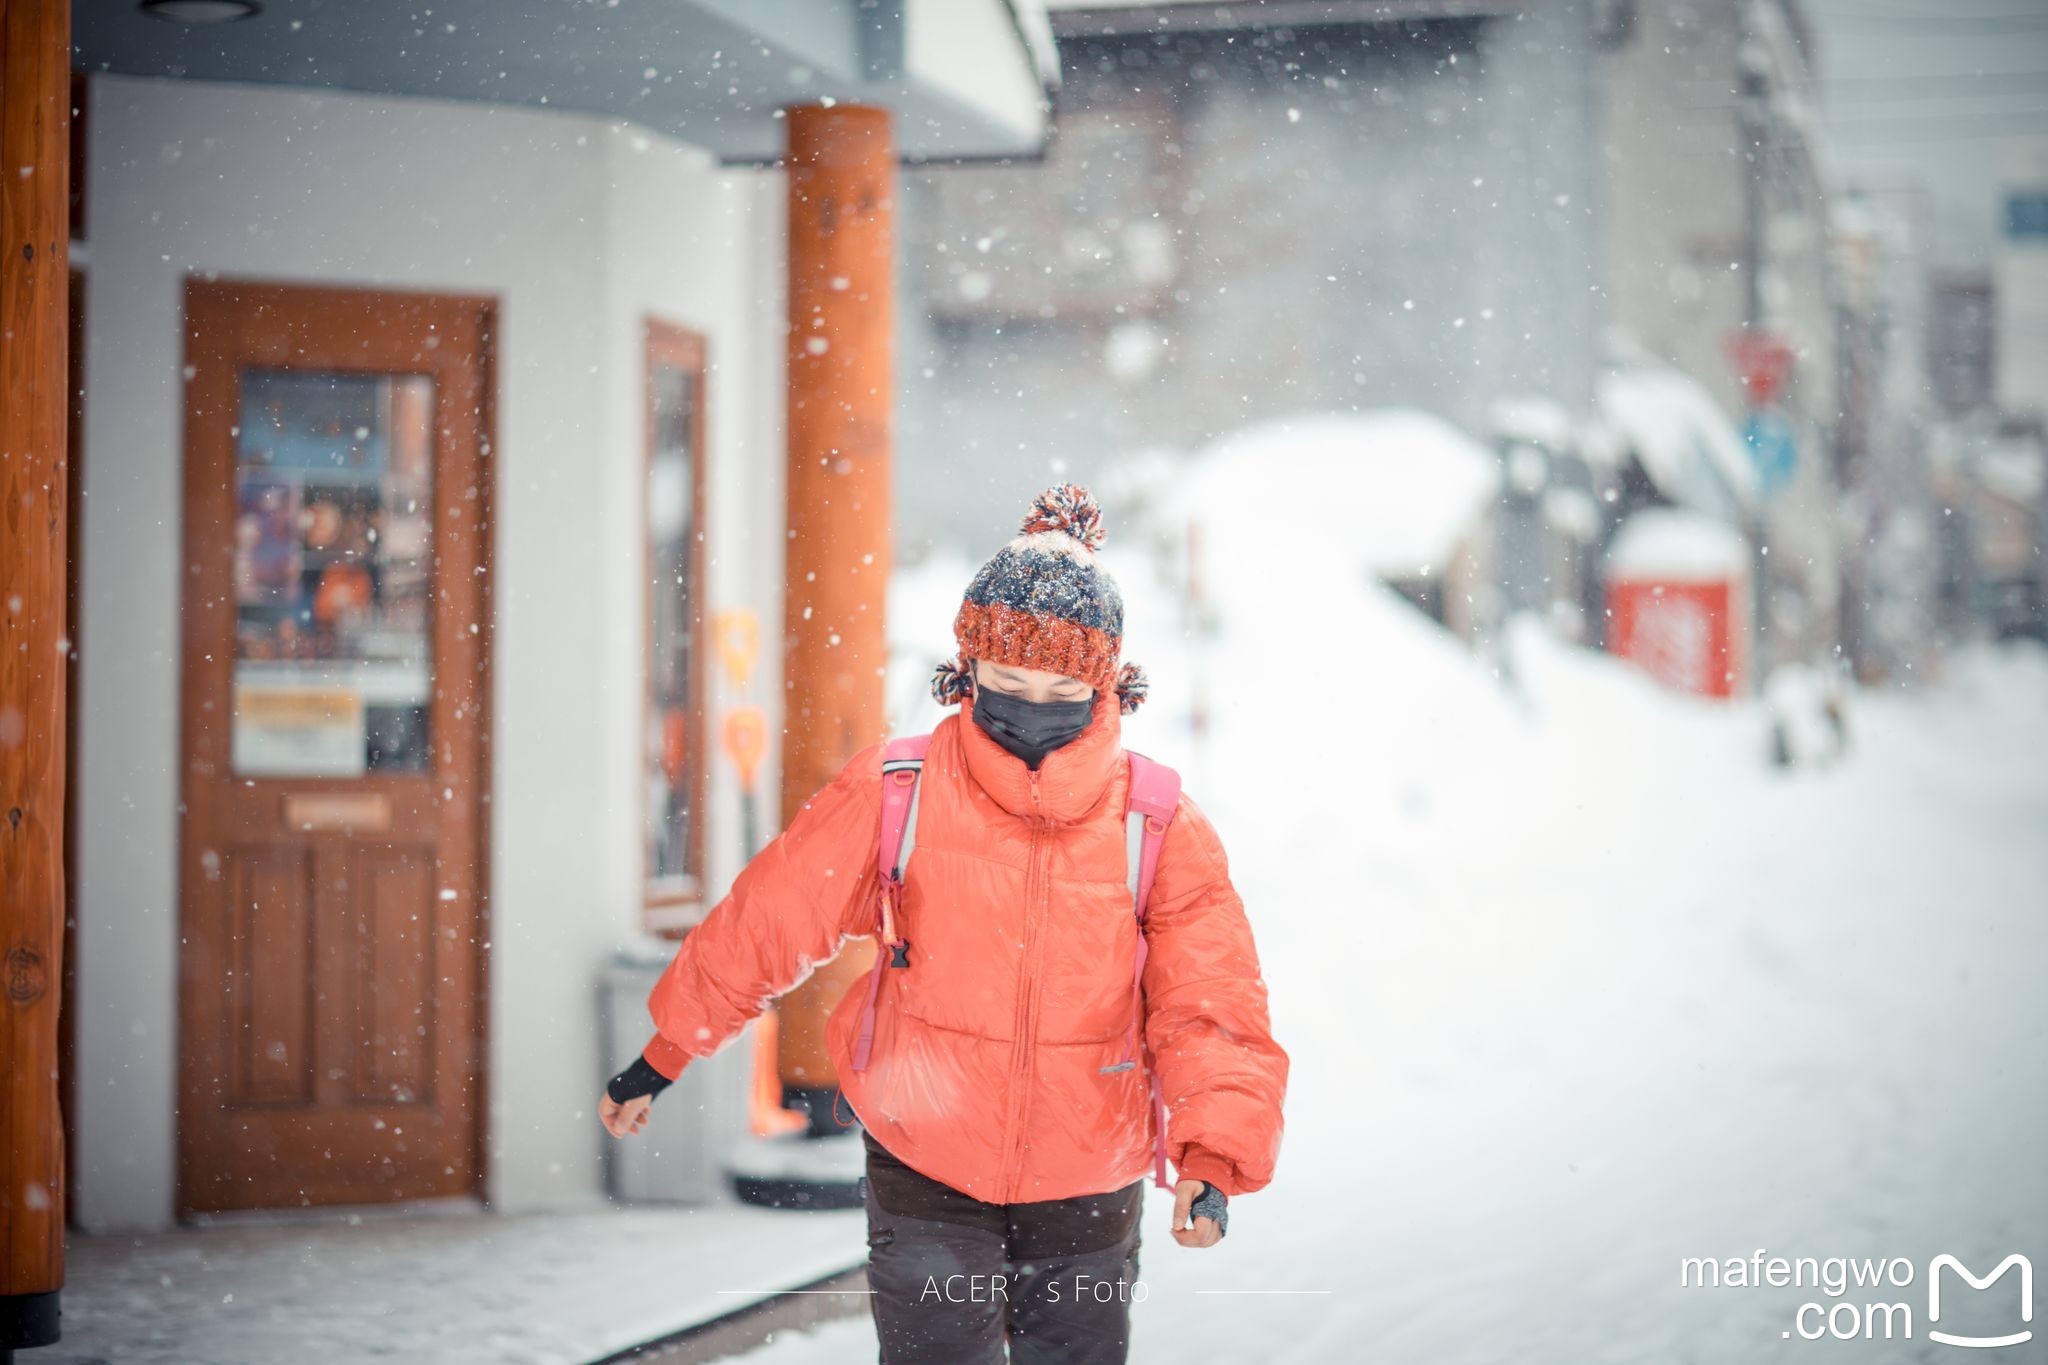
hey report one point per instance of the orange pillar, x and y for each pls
(35, 122)
(842, 244)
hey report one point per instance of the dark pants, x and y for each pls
(954, 1278)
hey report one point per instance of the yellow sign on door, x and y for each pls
(737, 635)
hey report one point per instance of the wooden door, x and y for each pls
(336, 633)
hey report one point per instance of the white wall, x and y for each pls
(578, 229)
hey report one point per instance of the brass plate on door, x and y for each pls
(317, 812)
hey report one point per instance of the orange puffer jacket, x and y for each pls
(987, 1067)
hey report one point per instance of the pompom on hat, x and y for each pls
(1043, 602)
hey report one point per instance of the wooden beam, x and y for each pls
(842, 251)
(35, 120)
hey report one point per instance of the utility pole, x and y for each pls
(1753, 121)
(1751, 117)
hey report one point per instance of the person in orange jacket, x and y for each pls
(1007, 1144)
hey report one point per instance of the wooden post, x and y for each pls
(842, 179)
(35, 122)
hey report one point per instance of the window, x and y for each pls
(333, 565)
(673, 749)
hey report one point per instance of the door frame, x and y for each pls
(74, 533)
(209, 293)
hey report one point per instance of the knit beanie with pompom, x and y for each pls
(1043, 602)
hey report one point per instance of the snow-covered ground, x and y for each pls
(1576, 986)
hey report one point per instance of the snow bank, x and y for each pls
(1667, 544)
(1400, 488)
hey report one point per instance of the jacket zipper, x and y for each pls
(1026, 1017)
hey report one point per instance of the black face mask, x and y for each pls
(1030, 729)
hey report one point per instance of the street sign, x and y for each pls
(1763, 361)
(1772, 449)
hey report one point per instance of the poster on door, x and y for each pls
(298, 731)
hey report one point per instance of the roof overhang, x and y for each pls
(967, 79)
(1092, 18)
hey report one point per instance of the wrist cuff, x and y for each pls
(665, 1057)
(1197, 1164)
(636, 1080)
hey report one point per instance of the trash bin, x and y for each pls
(680, 1158)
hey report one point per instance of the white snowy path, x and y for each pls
(1625, 998)
(1576, 987)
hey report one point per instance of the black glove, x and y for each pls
(636, 1080)
(1210, 1204)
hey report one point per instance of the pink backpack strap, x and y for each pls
(1149, 809)
(902, 765)
(902, 762)
(1155, 796)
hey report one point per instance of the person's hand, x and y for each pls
(630, 1117)
(1204, 1232)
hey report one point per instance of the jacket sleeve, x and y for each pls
(1222, 1075)
(787, 912)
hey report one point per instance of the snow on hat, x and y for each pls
(1043, 602)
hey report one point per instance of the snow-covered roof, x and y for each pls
(1672, 545)
(1403, 487)
(2014, 470)
(1539, 421)
(1686, 444)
